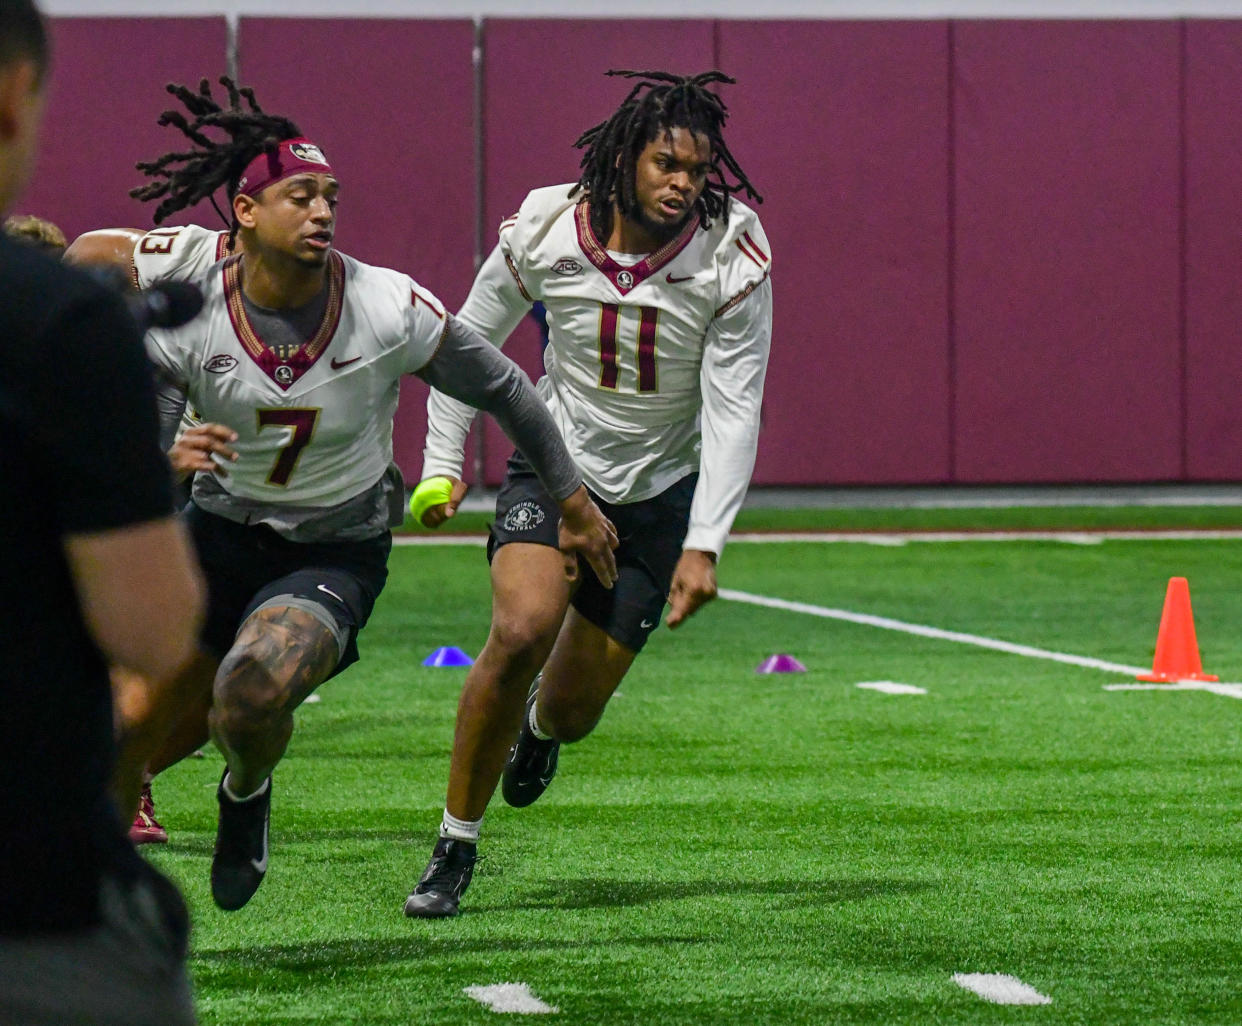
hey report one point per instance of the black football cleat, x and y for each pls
(531, 764)
(240, 859)
(444, 880)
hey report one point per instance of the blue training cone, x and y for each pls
(448, 655)
(780, 663)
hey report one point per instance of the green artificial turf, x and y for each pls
(1013, 518)
(736, 848)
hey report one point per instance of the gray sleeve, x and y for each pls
(170, 401)
(469, 368)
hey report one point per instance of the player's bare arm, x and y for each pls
(111, 248)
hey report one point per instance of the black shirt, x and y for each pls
(78, 453)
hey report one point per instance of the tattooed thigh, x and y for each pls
(282, 653)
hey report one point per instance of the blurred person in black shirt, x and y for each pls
(93, 570)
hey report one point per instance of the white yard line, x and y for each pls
(885, 623)
(1001, 989)
(1215, 687)
(903, 537)
(513, 998)
(895, 538)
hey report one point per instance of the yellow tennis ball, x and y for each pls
(432, 492)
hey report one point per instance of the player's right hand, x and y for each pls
(436, 515)
(197, 446)
(586, 532)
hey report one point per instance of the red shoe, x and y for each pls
(146, 829)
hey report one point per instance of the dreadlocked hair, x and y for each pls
(184, 177)
(658, 102)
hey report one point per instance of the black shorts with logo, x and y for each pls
(651, 533)
(246, 565)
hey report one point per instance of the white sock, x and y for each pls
(232, 796)
(460, 829)
(533, 721)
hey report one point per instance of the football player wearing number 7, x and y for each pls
(659, 311)
(295, 362)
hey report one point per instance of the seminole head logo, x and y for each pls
(525, 516)
(308, 152)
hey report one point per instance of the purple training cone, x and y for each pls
(449, 655)
(780, 663)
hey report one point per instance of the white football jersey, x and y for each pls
(654, 366)
(314, 429)
(183, 253)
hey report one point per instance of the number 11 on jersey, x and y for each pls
(648, 319)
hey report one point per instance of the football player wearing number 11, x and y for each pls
(660, 316)
(295, 363)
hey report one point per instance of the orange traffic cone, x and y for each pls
(1177, 650)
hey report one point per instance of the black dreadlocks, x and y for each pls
(660, 102)
(184, 178)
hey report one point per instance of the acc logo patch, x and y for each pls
(309, 152)
(525, 516)
(567, 267)
(221, 364)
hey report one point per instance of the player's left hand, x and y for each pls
(694, 585)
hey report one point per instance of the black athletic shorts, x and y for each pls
(651, 533)
(249, 565)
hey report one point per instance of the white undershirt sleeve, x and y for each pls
(494, 308)
(735, 360)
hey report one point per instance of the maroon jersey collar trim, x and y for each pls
(626, 278)
(284, 372)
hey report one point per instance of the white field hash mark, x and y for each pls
(890, 687)
(1001, 989)
(512, 998)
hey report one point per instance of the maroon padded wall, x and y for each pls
(393, 111)
(105, 93)
(544, 84)
(1004, 250)
(1214, 250)
(1067, 331)
(843, 128)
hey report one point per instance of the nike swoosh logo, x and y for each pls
(260, 865)
(329, 591)
(338, 364)
(647, 624)
(673, 281)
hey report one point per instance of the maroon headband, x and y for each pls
(292, 157)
